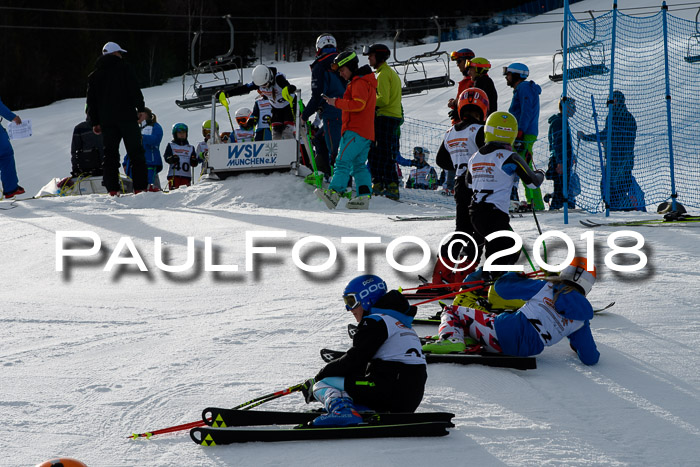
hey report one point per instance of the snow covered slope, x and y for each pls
(88, 356)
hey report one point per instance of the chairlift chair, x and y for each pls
(209, 77)
(415, 66)
(591, 52)
(693, 53)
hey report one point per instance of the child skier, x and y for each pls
(262, 113)
(556, 308)
(492, 171)
(384, 369)
(423, 177)
(151, 137)
(181, 156)
(275, 87)
(203, 146)
(358, 105)
(461, 142)
(245, 133)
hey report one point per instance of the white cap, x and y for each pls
(111, 47)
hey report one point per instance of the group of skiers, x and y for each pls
(385, 369)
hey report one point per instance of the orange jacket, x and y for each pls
(358, 103)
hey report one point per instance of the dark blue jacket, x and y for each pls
(324, 81)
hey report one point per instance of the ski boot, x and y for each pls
(341, 412)
(450, 345)
(329, 197)
(392, 191)
(359, 202)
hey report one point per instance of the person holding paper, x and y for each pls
(8, 170)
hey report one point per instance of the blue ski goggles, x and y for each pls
(351, 301)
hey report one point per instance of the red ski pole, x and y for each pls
(245, 406)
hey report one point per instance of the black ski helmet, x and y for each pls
(348, 59)
(380, 51)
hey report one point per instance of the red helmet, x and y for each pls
(476, 97)
(62, 462)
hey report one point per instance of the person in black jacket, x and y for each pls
(115, 107)
(478, 69)
(384, 369)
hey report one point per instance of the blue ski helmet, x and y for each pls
(518, 69)
(180, 127)
(364, 290)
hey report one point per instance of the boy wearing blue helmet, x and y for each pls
(384, 369)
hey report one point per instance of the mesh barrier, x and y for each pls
(617, 76)
(418, 133)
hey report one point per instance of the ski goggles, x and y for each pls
(418, 150)
(336, 66)
(457, 56)
(351, 301)
(242, 121)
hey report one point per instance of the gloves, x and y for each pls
(519, 144)
(194, 160)
(171, 159)
(307, 390)
(453, 114)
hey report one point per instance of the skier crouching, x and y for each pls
(556, 308)
(384, 370)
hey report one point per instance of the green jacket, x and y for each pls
(388, 92)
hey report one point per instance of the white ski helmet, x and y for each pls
(242, 115)
(577, 274)
(261, 75)
(325, 40)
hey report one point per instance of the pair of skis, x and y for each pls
(462, 358)
(683, 219)
(228, 426)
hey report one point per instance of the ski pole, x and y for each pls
(245, 406)
(455, 284)
(224, 102)
(539, 229)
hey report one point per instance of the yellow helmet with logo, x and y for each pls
(501, 127)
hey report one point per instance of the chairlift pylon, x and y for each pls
(693, 53)
(592, 52)
(413, 72)
(208, 77)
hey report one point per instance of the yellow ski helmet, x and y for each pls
(501, 127)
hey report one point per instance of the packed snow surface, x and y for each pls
(100, 350)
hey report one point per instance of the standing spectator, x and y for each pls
(460, 57)
(181, 156)
(87, 151)
(358, 105)
(478, 70)
(8, 170)
(525, 107)
(262, 113)
(152, 135)
(115, 108)
(555, 169)
(387, 124)
(325, 82)
(625, 193)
